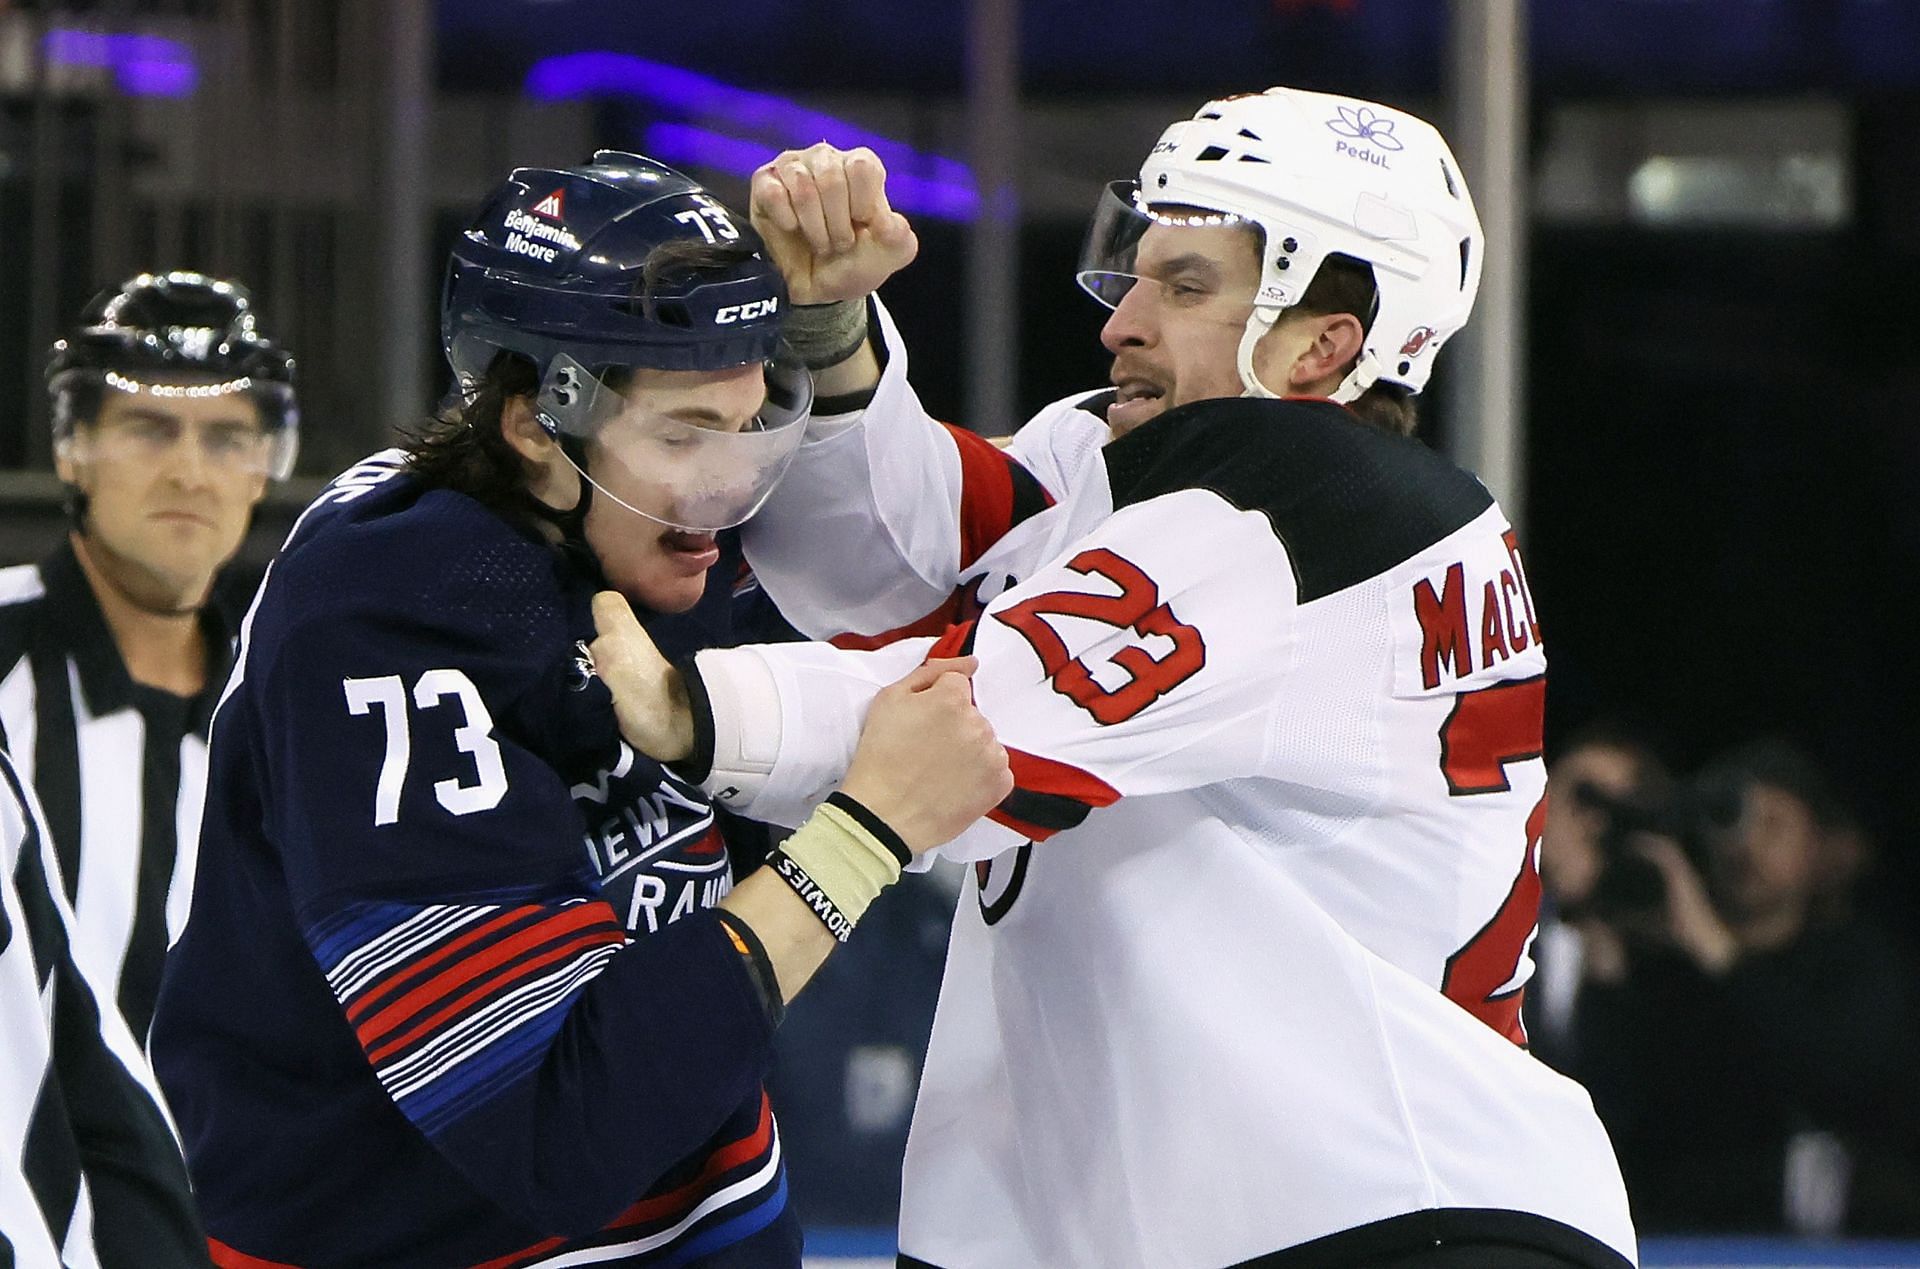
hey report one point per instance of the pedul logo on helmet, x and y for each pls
(1365, 125)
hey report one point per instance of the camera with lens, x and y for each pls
(1630, 889)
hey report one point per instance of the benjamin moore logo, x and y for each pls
(553, 205)
(1363, 124)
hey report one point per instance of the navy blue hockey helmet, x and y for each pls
(555, 262)
(621, 264)
(176, 332)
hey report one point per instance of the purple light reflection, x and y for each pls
(596, 72)
(684, 143)
(142, 65)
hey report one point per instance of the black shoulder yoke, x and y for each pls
(1348, 500)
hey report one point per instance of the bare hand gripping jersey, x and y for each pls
(449, 993)
(1238, 975)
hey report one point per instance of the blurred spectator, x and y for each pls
(1754, 1050)
(1609, 772)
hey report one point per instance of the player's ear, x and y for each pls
(523, 431)
(1336, 344)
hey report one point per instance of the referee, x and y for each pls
(89, 1171)
(171, 411)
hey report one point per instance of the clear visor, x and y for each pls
(1109, 258)
(240, 425)
(700, 462)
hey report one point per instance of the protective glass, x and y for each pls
(258, 439)
(686, 473)
(1109, 256)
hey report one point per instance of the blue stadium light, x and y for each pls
(931, 184)
(684, 143)
(142, 65)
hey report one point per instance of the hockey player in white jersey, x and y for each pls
(1237, 978)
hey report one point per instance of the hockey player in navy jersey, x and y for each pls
(1236, 978)
(466, 980)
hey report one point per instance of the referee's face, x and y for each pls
(170, 481)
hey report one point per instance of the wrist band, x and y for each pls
(839, 865)
(876, 827)
(748, 944)
(824, 335)
(784, 867)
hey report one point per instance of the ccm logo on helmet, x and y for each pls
(732, 313)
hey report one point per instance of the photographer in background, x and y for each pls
(1752, 1050)
(1595, 782)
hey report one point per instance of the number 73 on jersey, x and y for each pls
(472, 735)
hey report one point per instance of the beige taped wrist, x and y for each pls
(849, 864)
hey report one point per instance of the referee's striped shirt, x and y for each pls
(119, 767)
(90, 1173)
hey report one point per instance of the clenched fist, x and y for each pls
(928, 763)
(824, 216)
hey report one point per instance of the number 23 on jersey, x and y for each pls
(1137, 608)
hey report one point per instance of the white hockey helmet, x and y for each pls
(1318, 174)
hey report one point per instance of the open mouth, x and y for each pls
(1134, 402)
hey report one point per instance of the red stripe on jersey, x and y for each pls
(1032, 832)
(226, 1257)
(561, 924)
(996, 493)
(1043, 775)
(591, 938)
(376, 992)
(1048, 796)
(954, 643)
(675, 1203)
(961, 606)
(986, 493)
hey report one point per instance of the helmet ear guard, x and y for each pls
(1318, 175)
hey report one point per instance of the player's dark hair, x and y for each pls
(464, 449)
(1346, 285)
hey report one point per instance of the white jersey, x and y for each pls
(1240, 965)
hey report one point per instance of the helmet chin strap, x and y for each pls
(1259, 322)
(572, 523)
(1358, 380)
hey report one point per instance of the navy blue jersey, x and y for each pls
(450, 993)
